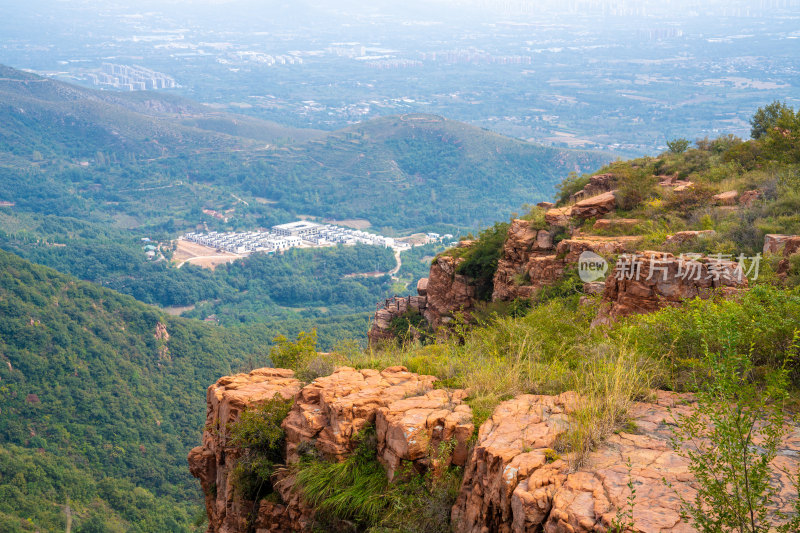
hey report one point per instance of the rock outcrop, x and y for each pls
(413, 431)
(213, 461)
(381, 326)
(682, 237)
(447, 291)
(790, 247)
(330, 411)
(607, 224)
(594, 206)
(530, 261)
(515, 482)
(726, 198)
(649, 281)
(514, 479)
(775, 243)
(514, 443)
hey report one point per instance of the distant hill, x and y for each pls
(403, 172)
(55, 118)
(100, 399)
(409, 171)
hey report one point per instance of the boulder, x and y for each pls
(594, 206)
(682, 237)
(411, 430)
(213, 461)
(725, 198)
(791, 247)
(615, 223)
(748, 197)
(330, 411)
(682, 185)
(774, 243)
(422, 287)
(546, 205)
(558, 216)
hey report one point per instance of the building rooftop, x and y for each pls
(294, 226)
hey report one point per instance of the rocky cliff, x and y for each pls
(539, 254)
(513, 481)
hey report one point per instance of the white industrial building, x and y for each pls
(290, 235)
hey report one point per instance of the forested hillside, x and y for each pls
(100, 398)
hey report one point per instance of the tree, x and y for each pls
(767, 117)
(678, 146)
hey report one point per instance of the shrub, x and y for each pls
(678, 146)
(296, 355)
(572, 184)
(356, 492)
(730, 441)
(258, 432)
(638, 186)
(410, 326)
(480, 259)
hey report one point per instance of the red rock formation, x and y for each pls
(605, 224)
(380, 329)
(725, 198)
(774, 243)
(646, 282)
(682, 237)
(594, 206)
(530, 261)
(514, 443)
(330, 411)
(513, 482)
(790, 247)
(447, 291)
(213, 461)
(748, 197)
(598, 184)
(412, 429)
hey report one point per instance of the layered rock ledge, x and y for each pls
(330, 411)
(213, 461)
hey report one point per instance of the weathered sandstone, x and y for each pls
(447, 291)
(213, 461)
(594, 206)
(726, 198)
(330, 411)
(648, 281)
(682, 237)
(774, 243)
(411, 430)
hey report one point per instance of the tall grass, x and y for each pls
(551, 350)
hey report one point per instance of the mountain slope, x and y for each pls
(100, 398)
(404, 172)
(408, 171)
(60, 119)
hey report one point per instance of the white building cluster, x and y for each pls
(131, 78)
(291, 235)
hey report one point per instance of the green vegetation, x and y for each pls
(480, 258)
(731, 441)
(97, 409)
(259, 434)
(356, 492)
(766, 168)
